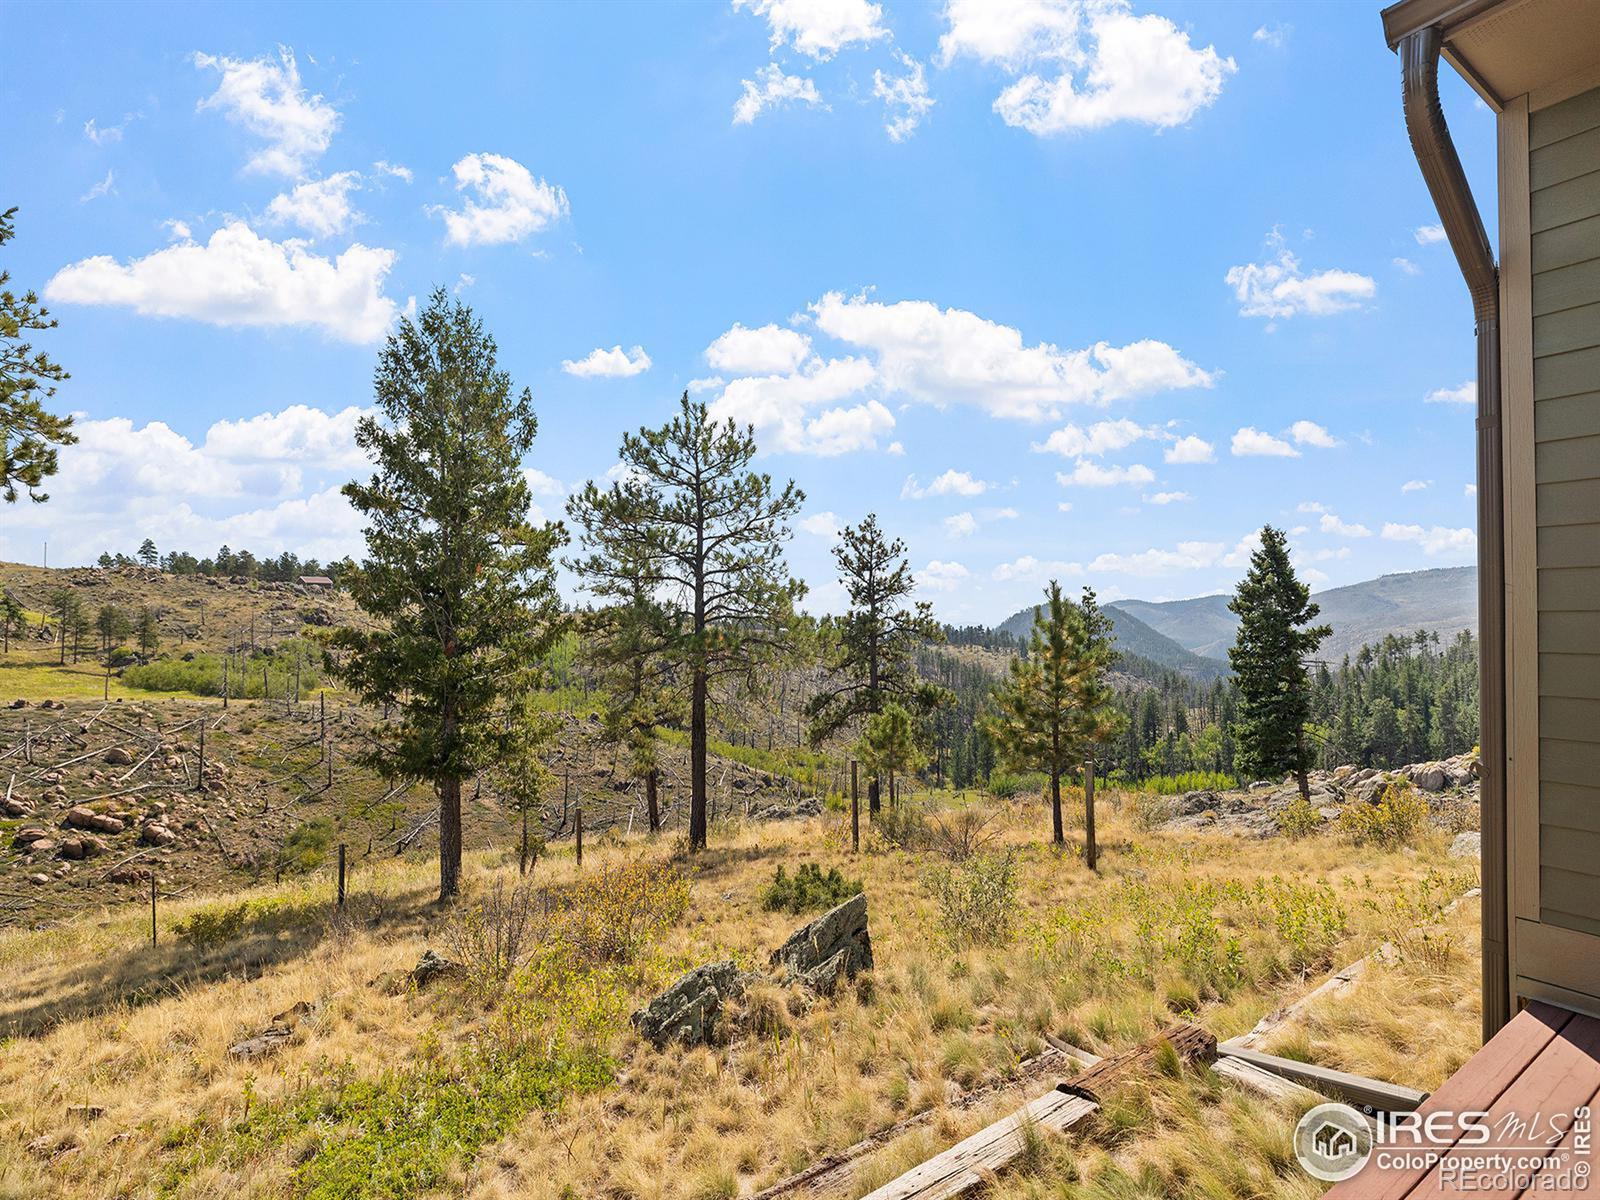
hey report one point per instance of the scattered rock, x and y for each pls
(83, 817)
(85, 1112)
(28, 834)
(433, 966)
(836, 943)
(155, 834)
(14, 807)
(118, 757)
(1466, 845)
(276, 1035)
(688, 1010)
(53, 1145)
(39, 878)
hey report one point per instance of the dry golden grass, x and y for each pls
(797, 1079)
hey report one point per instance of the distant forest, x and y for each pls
(227, 563)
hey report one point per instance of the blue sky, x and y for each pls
(1056, 288)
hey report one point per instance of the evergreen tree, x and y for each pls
(1097, 718)
(888, 744)
(68, 610)
(519, 767)
(29, 436)
(147, 553)
(462, 583)
(1274, 641)
(705, 533)
(871, 664)
(11, 617)
(149, 631)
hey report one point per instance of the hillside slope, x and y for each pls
(1134, 637)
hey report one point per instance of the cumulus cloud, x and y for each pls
(503, 202)
(791, 411)
(1414, 485)
(819, 28)
(1405, 265)
(1164, 498)
(942, 576)
(265, 97)
(1469, 490)
(944, 356)
(1271, 35)
(1186, 556)
(615, 363)
(392, 170)
(822, 524)
(951, 483)
(105, 135)
(1434, 541)
(321, 206)
(1093, 474)
(1330, 523)
(239, 278)
(1279, 288)
(771, 88)
(962, 524)
(1190, 450)
(769, 350)
(1100, 438)
(105, 187)
(1428, 235)
(1085, 65)
(1251, 442)
(1466, 393)
(905, 98)
(1029, 569)
(1309, 433)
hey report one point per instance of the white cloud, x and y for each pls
(1088, 65)
(299, 435)
(769, 350)
(896, 449)
(105, 187)
(542, 484)
(504, 202)
(393, 170)
(615, 363)
(1190, 450)
(1271, 35)
(1309, 433)
(1330, 523)
(1469, 490)
(781, 408)
(1314, 577)
(963, 524)
(105, 135)
(1414, 485)
(1466, 393)
(1165, 498)
(771, 88)
(1186, 556)
(822, 524)
(1029, 569)
(1001, 514)
(942, 576)
(321, 206)
(1092, 474)
(943, 356)
(951, 483)
(1251, 442)
(1239, 556)
(177, 231)
(819, 28)
(1064, 506)
(1100, 438)
(1406, 266)
(1279, 288)
(267, 99)
(1311, 506)
(905, 97)
(1428, 235)
(1435, 541)
(240, 278)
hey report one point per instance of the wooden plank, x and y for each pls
(1566, 245)
(1573, 632)
(1569, 546)
(1568, 503)
(1569, 762)
(1575, 922)
(1567, 460)
(1264, 1083)
(970, 1162)
(1570, 329)
(1574, 676)
(1563, 160)
(1566, 374)
(1357, 1089)
(1566, 958)
(1569, 589)
(1553, 1177)
(1566, 202)
(1576, 893)
(1571, 850)
(1564, 120)
(1559, 1080)
(1479, 1083)
(1575, 806)
(1567, 416)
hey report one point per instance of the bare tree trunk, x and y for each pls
(522, 865)
(874, 797)
(652, 807)
(1091, 852)
(1057, 831)
(697, 761)
(1300, 763)
(449, 839)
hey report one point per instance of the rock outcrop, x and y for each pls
(834, 946)
(688, 1011)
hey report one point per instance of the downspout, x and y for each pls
(1447, 183)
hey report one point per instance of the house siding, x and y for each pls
(1564, 209)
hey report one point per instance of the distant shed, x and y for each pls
(316, 581)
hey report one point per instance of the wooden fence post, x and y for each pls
(855, 808)
(580, 835)
(152, 906)
(200, 778)
(1091, 852)
(341, 874)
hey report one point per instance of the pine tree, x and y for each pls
(1274, 641)
(1097, 718)
(11, 617)
(888, 744)
(705, 533)
(519, 769)
(461, 582)
(29, 436)
(147, 553)
(149, 631)
(871, 663)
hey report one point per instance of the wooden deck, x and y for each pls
(1541, 1068)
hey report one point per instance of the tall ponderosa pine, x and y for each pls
(1274, 641)
(1098, 717)
(871, 662)
(29, 436)
(888, 744)
(705, 534)
(462, 582)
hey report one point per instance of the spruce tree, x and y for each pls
(705, 534)
(1269, 659)
(871, 661)
(29, 436)
(461, 582)
(1097, 717)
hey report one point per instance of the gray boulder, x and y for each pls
(688, 1010)
(1466, 845)
(841, 933)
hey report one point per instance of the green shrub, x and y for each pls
(977, 899)
(306, 846)
(1176, 785)
(808, 889)
(211, 927)
(1397, 818)
(1008, 786)
(1299, 818)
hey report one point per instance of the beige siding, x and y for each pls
(1564, 205)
